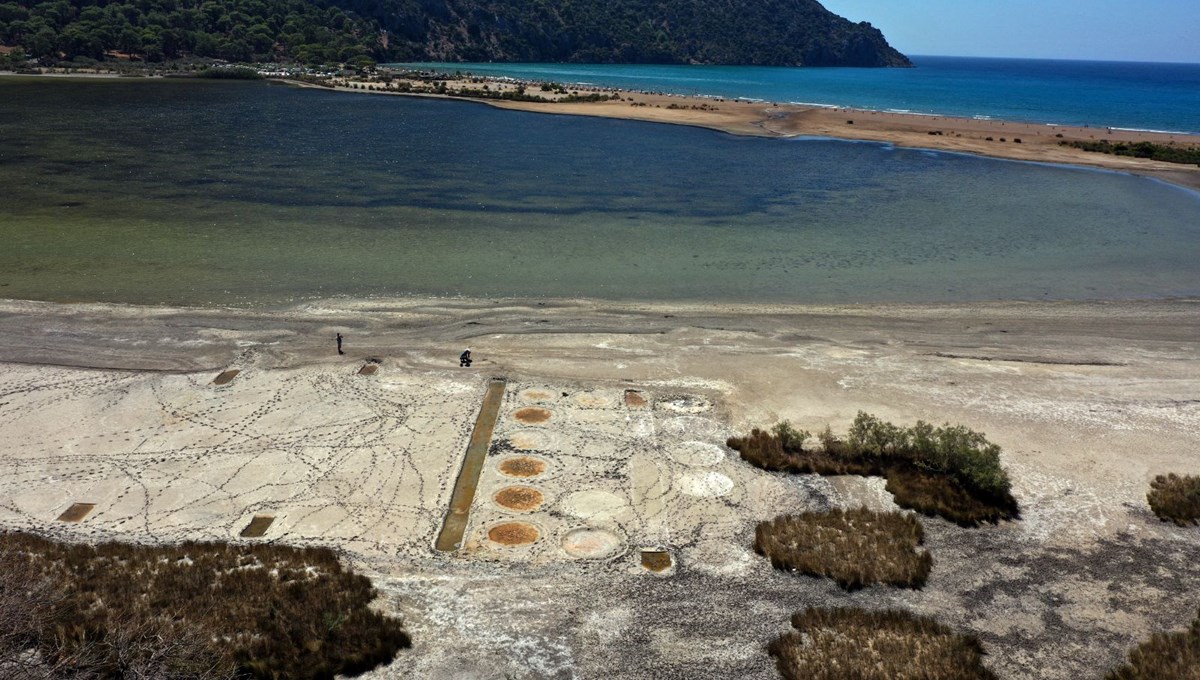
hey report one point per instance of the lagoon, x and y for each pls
(257, 193)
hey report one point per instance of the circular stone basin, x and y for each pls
(529, 440)
(692, 426)
(519, 498)
(685, 404)
(522, 466)
(537, 396)
(705, 484)
(591, 544)
(593, 400)
(697, 454)
(532, 415)
(594, 504)
(513, 534)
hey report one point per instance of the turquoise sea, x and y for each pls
(217, 193)
(1143, 96)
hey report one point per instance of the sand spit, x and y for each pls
(115, 406)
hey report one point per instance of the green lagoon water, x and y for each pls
(188, 192)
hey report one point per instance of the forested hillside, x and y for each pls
(775, 32)
(768, 32)
(153, 30)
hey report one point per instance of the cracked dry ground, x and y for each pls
(366, 464)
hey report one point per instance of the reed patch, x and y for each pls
(840, 643)
(198, 610)
(1165, 656)
(1175, 499)
(855, 548)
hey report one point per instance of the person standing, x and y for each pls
(339, 342)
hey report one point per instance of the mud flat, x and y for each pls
(115, 406)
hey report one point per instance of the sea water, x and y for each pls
(203, 192)
(1146, 96)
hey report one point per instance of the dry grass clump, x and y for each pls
(856, 548)
(1165, 656)
(841, 643)
(196, 610)
(1175, 499)
(951, 471)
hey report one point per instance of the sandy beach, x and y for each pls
(115, 405)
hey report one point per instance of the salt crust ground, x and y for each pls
(114, 405)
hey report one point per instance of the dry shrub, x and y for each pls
(942, 495)
(202, 610)
(950, 471)
(856, 548)
(1165, 656)
(1175, 499)
(766, 450)
(842, 643)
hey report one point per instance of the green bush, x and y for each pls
(845, 643)
(951, 471)
(1159, 152)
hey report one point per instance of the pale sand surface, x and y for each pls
(114, 405)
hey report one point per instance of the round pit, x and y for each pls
(705, 484)
(537, 396)
(519, 498)
(513, 534)
(522, 467)
(685, 403)
(532, 415)
(594, 504)
(591, 544)
(529, 440)
(592, 400)
(697, 454)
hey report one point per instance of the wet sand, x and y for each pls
(115, 405)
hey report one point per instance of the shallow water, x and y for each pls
(258, 193)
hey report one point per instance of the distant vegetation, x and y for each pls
(841, 643)
(1175, 499)
(1159, 152)
(156, 30)
(1165, 656)
(359, 32)
(856, 548)
(196, 610)
(951, 471)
